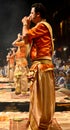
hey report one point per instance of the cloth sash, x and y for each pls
(50, 30)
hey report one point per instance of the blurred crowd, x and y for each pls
(61, 71)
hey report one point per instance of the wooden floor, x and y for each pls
(7, 97)
(63, 118)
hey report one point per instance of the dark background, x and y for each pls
(12, 11)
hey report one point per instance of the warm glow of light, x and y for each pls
(65, 48)
(61, 26)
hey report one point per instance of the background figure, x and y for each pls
(68, 80)
(8, 67)
(61, 81)
(42, 92)
(21, 68)
(11, 64)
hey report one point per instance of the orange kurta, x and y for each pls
(22, 51)
(20, 55)
(42, 42)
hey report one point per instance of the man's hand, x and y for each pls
(26, 21)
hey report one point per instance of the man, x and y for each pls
(20, 72)
(42, 95)
(8, 65)
(11, 65)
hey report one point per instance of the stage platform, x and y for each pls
(8, 98)
(14, 106)
(63, 119)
